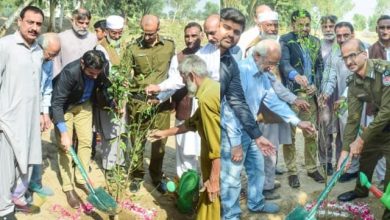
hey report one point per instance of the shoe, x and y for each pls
(328, 168)
(348, 177)
(72, 198)
(349, 196)
(270, 194)
(27, 209)
(10, 216)
(269, 207)
(293, 181)
(83, 187)
(41, 190)
(161, 187)
(135, 185)
(277, 184)
(316, 176)
(279, 171)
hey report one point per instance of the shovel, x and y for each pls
(97, 197)
(300, 213)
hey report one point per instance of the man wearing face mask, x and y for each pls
(76, 41)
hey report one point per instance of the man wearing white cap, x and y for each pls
(111, 46)
(266, 24)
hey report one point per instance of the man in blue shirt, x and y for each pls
(71, 106)
(51, 46)
(257, 87)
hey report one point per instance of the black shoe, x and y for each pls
(279, 171)
(328, 168)
(349, 196)
(135, 185)
(161, 187)
(293, 181)
(316, 176)
(348, 177)
(10, 216)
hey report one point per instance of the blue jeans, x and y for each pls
(253, 161)
(36, 176)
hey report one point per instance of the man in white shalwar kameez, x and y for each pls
(20, 140)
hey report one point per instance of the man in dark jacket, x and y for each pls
(71, 107)
(301, 68)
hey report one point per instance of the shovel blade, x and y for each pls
(299, 213)
(102, 201)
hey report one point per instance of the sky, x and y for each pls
(364, 7)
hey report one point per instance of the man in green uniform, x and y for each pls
(149, 58)
(370, 83)
(205, 120)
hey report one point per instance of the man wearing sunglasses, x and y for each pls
(370, 82)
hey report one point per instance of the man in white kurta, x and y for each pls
(20, 142)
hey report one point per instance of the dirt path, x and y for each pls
(164, 205)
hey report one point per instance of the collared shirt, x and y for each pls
(235, 109)
(257, 88)
(46, 85)
(211, 55)
(88, 88)
(20, 70)
(150, 64)
(206, 120)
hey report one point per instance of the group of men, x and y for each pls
(244, 95)
(315, 77)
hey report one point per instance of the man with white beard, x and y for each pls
(111, 45)
(76, 41)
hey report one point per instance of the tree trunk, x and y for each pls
(61, 19)
(52, 18)
(12, 18)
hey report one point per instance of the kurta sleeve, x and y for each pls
(381, 120)
(355, 108)
(212, 129)
(191, 123)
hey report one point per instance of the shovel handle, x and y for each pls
(81, 169)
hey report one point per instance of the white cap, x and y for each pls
(115, 22)
(268, 16)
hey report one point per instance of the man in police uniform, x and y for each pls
(370, 83)
(149, 57)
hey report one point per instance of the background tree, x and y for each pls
(359, 22)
